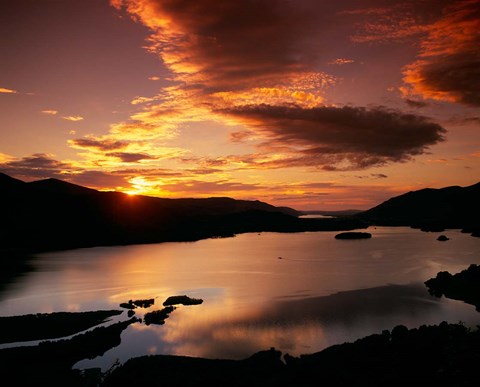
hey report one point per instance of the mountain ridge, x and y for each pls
(52, 214)
(430, 209)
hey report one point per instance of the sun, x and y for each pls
(141, 186)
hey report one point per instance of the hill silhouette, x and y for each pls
(430, 209)
(56, 186)
(53, 215)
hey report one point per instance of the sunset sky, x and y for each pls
(304, 103)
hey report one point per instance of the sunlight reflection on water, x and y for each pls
(321, 292)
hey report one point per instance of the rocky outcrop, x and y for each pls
(464, 286)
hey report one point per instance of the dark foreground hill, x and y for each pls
(437, 356)
(430, 209)
(52, 214)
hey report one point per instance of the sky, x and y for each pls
(311, 104)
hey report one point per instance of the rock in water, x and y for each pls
(353, 235)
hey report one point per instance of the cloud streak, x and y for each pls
(127, 157)
(98, 144)
(73, 118)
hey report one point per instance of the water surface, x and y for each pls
(297, 292)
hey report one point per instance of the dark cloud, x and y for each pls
(131, 157)
(99, 145)
(454, 77)
(236, 43)
(36, 166)
(42, 166)
(340, 137)
(373, 176)
(416, 104)
(472, 119)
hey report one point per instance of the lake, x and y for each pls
(297, 292)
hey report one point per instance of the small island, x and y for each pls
(443, 238)
(138, 304)
(158, 316)
(353, 235)
(183, 299)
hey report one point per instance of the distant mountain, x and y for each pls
(53, 214)
(430, 209)
(332, 213)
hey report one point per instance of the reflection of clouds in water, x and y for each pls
(237, 340)
(348, 306)
(137, 340)
(302, 325)
(220, 328)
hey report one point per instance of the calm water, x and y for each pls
(297, 292)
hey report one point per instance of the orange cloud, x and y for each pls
(448, 68)
(73, 118)
(396, 22)
(7, 91)
(4, 158)
(140, 100)
(50, 112)
(240, 44)
(96, 144)
(268, 95)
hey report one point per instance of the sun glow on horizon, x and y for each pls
(243, 102)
